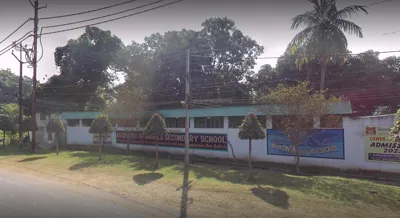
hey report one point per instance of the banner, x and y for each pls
(322, 143)
(196, 140)
(378, 147)
(106, 139)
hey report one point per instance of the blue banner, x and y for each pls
(321, 143)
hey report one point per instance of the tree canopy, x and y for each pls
(55, 125)
(9, 83)
(221, 57)
(101, 125)
(26, 125)
(221, 68)
(323, 36)
(251, 128)
(6, 124)
(156, 126)
(85, 67)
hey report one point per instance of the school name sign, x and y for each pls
(196, 140)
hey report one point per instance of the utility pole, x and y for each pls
(34, 65)
(20, 92)
(185, 186)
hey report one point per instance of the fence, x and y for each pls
(341, 148)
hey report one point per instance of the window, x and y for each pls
(235, 122)
(277, 121)
(42, 116)
(175, 122)
(331, 121)
(209, 122)
(49, 136)
(73, 122)
(87, 122)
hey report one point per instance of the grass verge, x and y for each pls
(284, 194)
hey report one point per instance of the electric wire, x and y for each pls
(104, 16)
(85, 12)
(110, 20)
(18, 28)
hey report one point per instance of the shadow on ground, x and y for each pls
(136, 161)
(29, 159)
(146, 178)
(273, 185)
(275, 197)
(16, 150)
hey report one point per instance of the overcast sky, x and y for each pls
(266, 21)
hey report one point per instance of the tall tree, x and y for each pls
(323, 36)
(85, 64)
(221, 58)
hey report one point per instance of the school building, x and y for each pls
(347, 146)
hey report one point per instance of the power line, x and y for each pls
(379, 52)
(379, 2)
(302, 56)
(15, 30)
(106, 21)
(82, 21)
(104, 16)
(85, 12)
(11, 46)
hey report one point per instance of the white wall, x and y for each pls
(41, 134)
(79, 135)
(353, 136)
(355, 143)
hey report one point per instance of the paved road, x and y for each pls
(28, 196)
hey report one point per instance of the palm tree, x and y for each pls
(323, 38)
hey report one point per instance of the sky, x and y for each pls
(266, 21)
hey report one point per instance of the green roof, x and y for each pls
(342, 108)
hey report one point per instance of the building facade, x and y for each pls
(42, 136)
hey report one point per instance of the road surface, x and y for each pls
(29, 196)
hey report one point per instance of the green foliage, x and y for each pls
(9, 83)
(101, 124)
(84, 65)
(27, 125)
(358, 71)
(55, 125)
(6, 124)
(156, 126)
(251, 128)
(323, 27)
(150, 68)
(12, 112)
(298, 100)
(395, 130)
